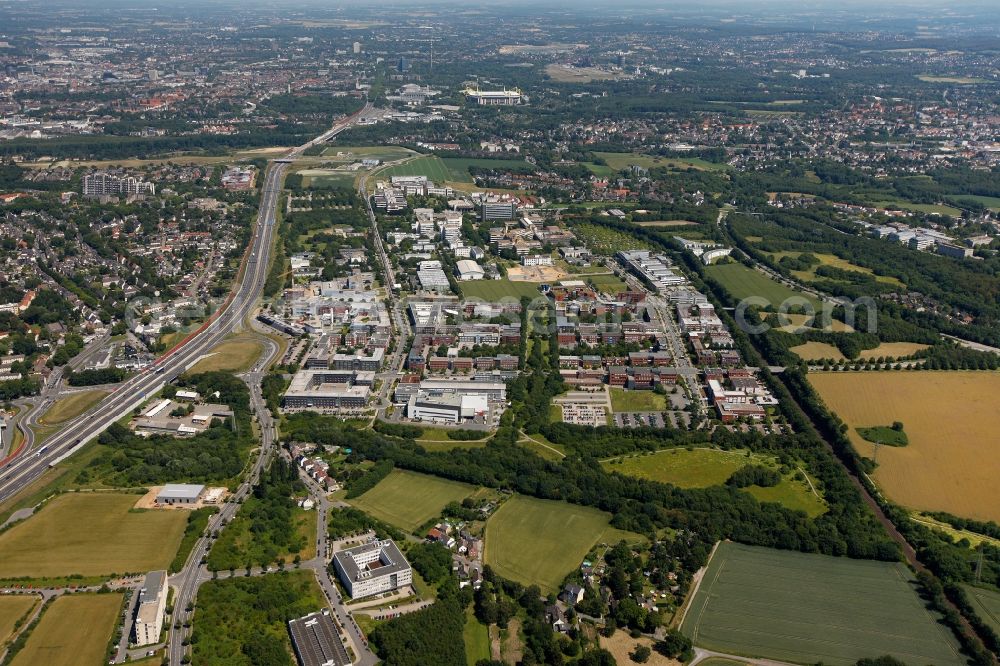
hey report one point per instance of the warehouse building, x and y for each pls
(180, 493)
(372, 568)
(317, 640)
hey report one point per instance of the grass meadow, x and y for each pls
(742, 282)
(408, 500)
(494, 290)
(703, 467)
(807, 608)
(538, 542)
(232, 355)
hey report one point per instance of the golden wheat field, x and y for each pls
(951, 418)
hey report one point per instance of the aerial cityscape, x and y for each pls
(499, 334)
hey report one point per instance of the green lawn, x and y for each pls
(987, 605)
(610, 283)
(459, 166)
(933, 209)
(993, 203)
(431, 166)
(623, 400)
(477, 639)
(233, 355)
(91, 534)
(384, 153)
(408, 500)
(809, 608)
(743, 282)
(619, 161)
(74, 404)
(538, 542)
(703, 467)
(494, 290)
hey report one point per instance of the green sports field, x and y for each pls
(494, 290)
(742, 282)
(91, 534)
(408, 500)
(987, 605)
(538, 542)
(808, 608)
(74, 630)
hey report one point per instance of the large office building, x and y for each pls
(497, 210)
(150, 609)
(317, 640)
(329, 389)
(496, 391)
(372, 568)
(105, 184)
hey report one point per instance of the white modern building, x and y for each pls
(447, 407)
(180, 493)
(150, 609)
(372, 568)
(469, 270)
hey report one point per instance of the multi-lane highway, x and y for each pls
(22, 470)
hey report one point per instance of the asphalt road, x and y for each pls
(20, 471)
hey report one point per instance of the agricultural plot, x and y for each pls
(495, 290)
(12, 609)
(817, 351)
(796, 322)
(703, 467)
(330, 180)
(993, 203)
(235, 355)
(809, 608)
(538, 542)
(987, 605)
(931, 209)
(953, 458)
(74, 630)
(743, 282)
(91, 534)
(408, 500)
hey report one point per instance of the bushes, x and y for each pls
(398, 430)
(371, 479)
(97, 377)
(432, 635)
(754, 475)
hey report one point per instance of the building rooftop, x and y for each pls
(180, 491)
(317, 640)
(390, 560)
